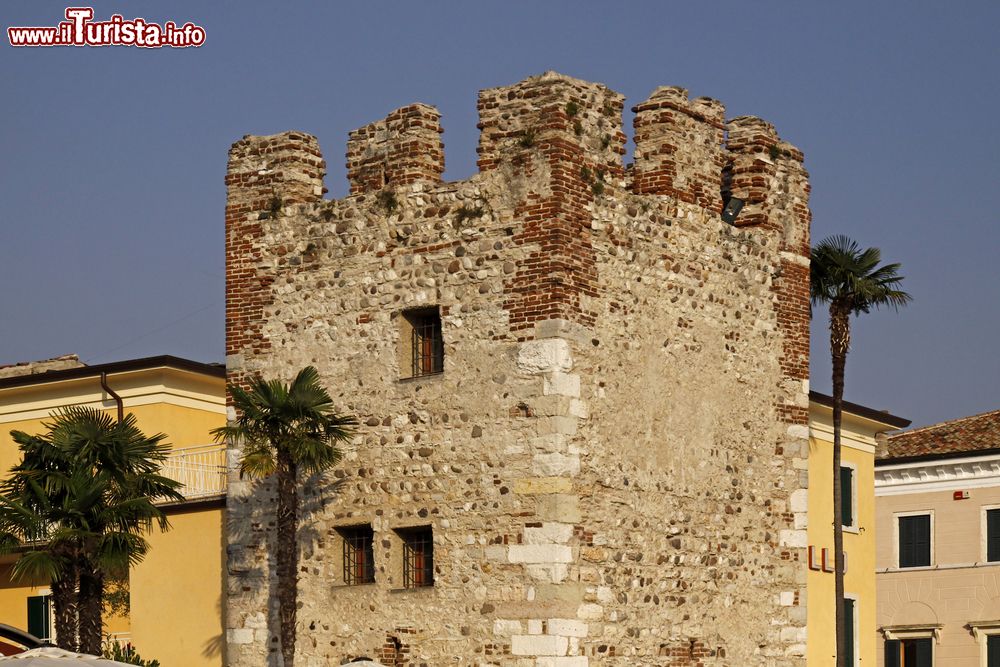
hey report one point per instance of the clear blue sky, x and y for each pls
(112, 165)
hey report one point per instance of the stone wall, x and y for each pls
(64, 362)
(607, 459)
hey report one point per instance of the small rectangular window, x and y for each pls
(847, 496)
(418, 556)
(915, 540)
(359, 555)
(422, 334)
(993, 535)
(40, 616)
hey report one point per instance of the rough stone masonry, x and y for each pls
(606, 460)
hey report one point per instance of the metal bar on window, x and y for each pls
(427, 344)
(418, 558)
(358, 559)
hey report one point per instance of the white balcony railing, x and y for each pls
(201, 469)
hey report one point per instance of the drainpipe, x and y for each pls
(111, 392)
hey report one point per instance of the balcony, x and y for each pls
(201, 469)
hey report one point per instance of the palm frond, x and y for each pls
(36, 567)
(843, 273)
(257, 465)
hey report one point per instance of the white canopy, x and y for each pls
(50, 656)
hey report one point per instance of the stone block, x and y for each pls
(567, 627)
(495, 553)
(799, 500)
(564, 661)
(561, 384)
(551, 405)
(570, 592)
(559, 507)
(550, 442)
(579, 409)
(549, 533)
(539, 553)
(538, 645)
(506, 628)
(559, 425)
(590, 612)
(555, 463)
(798, 431)
(793, 538)
(550, 573)
(530, 486)
(545, 356)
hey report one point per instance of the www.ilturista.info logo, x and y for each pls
(80, 30)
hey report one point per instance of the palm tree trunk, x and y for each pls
(91, 601)
(65, 603)
(840, 341)
(287, 553)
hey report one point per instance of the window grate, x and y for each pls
(418, 557)
(359, 555)
(427, 343)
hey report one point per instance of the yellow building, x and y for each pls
(175, 594)
(859, 428)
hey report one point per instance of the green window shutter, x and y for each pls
(847, 496)
(924, 652)
(38, 616)
(892, 653)
(849, 626)
(993, 535)
(915, 540)
(993, 651)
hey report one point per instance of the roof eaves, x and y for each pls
(145, 363)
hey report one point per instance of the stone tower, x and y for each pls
(583, 391)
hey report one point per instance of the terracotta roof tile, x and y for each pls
(968, 434)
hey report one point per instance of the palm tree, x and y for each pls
(851, 281)
(79, 503)
(284, 429)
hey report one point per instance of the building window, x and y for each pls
(40, 616)
(359, 555)
(909, 652)
(847, 496)
(993, 535)
(992, 650)
(418, 556)
(850, 622)
(421, 337)
(914, 540)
